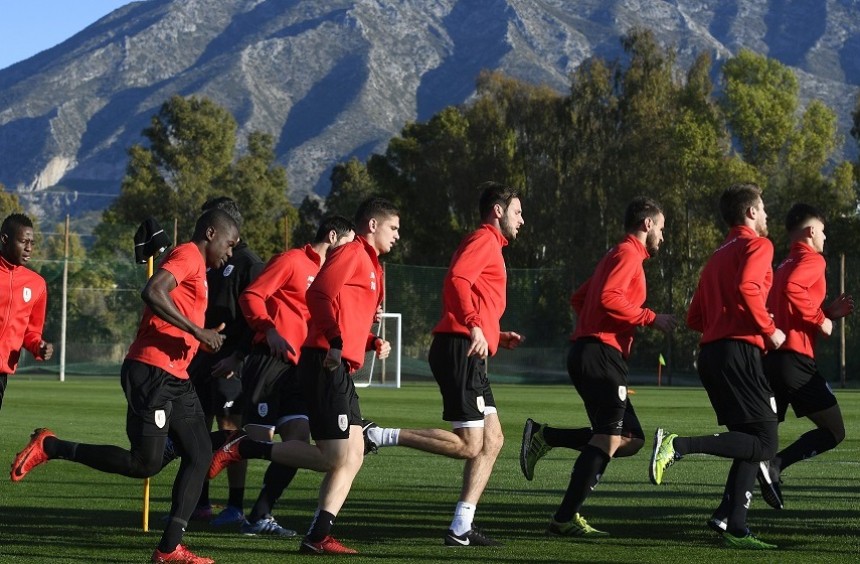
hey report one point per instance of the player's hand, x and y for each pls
(278, 346)
(665, 322)
(840, 307)
(226, 367)
(478, 345)
(332, 359)
(46, 350)
(826, 328)
(383, 348)
(211, 339)
(510, 339)
(775, 340)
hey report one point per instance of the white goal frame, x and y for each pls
(380, 369)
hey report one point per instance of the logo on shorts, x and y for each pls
(28, 294)
(622, 393)
(342, 422)
(228, 270)
(228, 405)
(773, 403)
(481, 404)
(160, 418)
(262, 409)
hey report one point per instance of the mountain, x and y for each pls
(338, 78)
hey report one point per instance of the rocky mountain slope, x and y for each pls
(336, 78)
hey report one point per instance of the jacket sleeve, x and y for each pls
(807, 272)
(462, 275)
(253, 299)
(613, 297)
(35, 325)
(752, 291)
(323, 293)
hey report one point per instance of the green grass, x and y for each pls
(402, 501)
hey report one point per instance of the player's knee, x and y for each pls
(493, 443)
(838, 433)
(145, 468)
(629, 446)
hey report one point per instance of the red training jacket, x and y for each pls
(609, 304)
(160, 343)
(730, 299)
(276, 298)
(23, 300)
(795, 300)
(473, 294)
(343, 299)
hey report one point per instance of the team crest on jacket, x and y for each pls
(342, 421)
(28, 295)
(160, 418)
(622, 393)
(228, 270)
(262, 409)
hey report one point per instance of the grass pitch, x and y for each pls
(402, 501)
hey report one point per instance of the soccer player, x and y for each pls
(22, 307)
(609, 308)
(728, 308)
(154, 377)
(473, 300)
(217, 377)
(275, 307)
(797, 304)
(342, 301)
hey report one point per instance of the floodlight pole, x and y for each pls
(64, 309)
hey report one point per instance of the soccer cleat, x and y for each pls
(747, 542)
(768, 481)
(576, 527)
(265, 526)
(328, 545)
(533, 448)
(226, 455)
(369, 445)
(180, 555)
(473, 537)
(33, 454)
(228, 516)
(662, 456)
(718, 524)
(201, 513)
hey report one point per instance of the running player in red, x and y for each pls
(342, 301)
(797, 304)
(154, 377)
(275, 308)
(22, 308)
(728, 308)
(473, 301)
(609, 308)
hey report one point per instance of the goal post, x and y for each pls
(384, 372)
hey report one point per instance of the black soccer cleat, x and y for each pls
(768, 481)
(474, 537)
(369, 445)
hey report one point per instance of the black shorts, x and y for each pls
(599, 374)
(462, 380)
(329, 395)
(4, 380)
(220, 397)
(732, 374)
(795, 380)
(272, 392)
(155, 398)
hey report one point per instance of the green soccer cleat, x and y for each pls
(533, 448)
(663, 455)
(747, 542)
(576, 527)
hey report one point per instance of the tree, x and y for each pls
(9, 203)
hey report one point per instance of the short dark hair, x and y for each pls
(493, 193)
(374, 208)
(14, 222)
(226, 204)
(799, 214)
(736, 200)
(337, 223)
(637, 210)
(215, 217)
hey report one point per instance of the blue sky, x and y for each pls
(28, 27)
